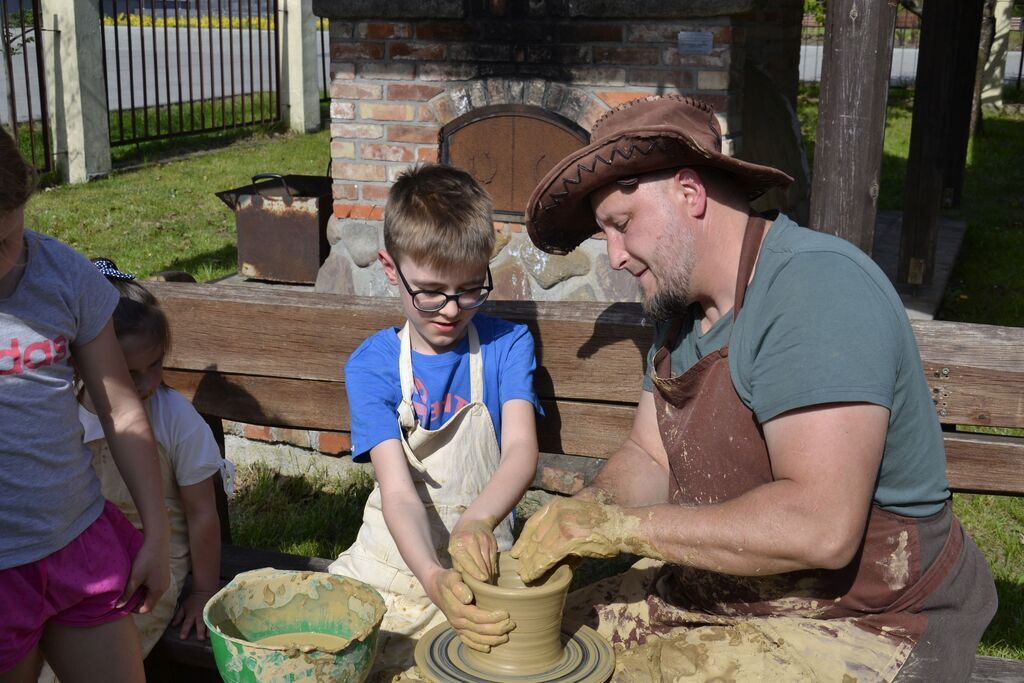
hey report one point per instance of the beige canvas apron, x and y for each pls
(450, 466)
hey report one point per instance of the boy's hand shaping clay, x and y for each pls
(474, 550)
(568, 526)
(477, 628)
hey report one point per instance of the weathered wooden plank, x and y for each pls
(997, 670)
(572, 427)
(970, 345)
(591, 429)
(974, 369)
(271, 401)
(973, 396)
(310, 336)
(980, 463)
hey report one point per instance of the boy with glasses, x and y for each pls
(429, 404)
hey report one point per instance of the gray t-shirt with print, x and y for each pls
(49, 493)
(822, 324)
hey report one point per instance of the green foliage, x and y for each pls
(816, 8)
(18, 33)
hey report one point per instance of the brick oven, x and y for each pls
(504, 88)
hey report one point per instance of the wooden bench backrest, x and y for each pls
(260, 356)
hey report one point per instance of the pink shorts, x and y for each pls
(77, 586)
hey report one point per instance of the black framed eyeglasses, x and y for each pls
(431, 302)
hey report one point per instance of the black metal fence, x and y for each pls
(1017, 43)
(906, 35)
(191, 66)
(22, 87)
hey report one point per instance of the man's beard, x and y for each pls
(666, 304)
(673, 295)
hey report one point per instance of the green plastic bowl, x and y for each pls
(268, 602)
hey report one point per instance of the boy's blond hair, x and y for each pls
(440, 217)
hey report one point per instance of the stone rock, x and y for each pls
(335, 228)
(549, 269)
(583, 293)
(335, 275)
(615, 285)
(370, 281)
(511, 282)
(363, 241)
(501, 240)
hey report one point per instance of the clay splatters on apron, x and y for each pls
(447, 481)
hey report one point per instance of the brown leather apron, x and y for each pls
(716, 452)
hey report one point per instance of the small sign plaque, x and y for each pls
(695, 42)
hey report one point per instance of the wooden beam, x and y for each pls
(851, 118)
(310, 336)
(930, 156)
(961, 100)
(982, 463)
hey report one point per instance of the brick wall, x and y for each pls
(328, 443)
(395, 83)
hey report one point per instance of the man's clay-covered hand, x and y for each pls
(477, 628)
(474, 549)
(568, 526)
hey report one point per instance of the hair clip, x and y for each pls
(109, 269)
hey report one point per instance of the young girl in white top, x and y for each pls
(189, 459)
(71, 564)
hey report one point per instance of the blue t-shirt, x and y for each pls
(440, 382)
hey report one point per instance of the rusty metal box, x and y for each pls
(282, 226)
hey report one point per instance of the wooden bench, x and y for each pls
(264, 356)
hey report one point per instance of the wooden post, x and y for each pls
(961, 99)
(851, 118)
(929, 134)
(75, 90)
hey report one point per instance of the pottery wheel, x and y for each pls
(588, 658)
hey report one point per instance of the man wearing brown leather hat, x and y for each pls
(784, 479)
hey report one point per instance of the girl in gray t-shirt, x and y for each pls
(70, 564)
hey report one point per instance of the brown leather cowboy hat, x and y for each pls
(642, 136)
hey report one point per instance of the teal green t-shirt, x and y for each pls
(822, 324)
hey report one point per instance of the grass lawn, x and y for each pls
(165, 216)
